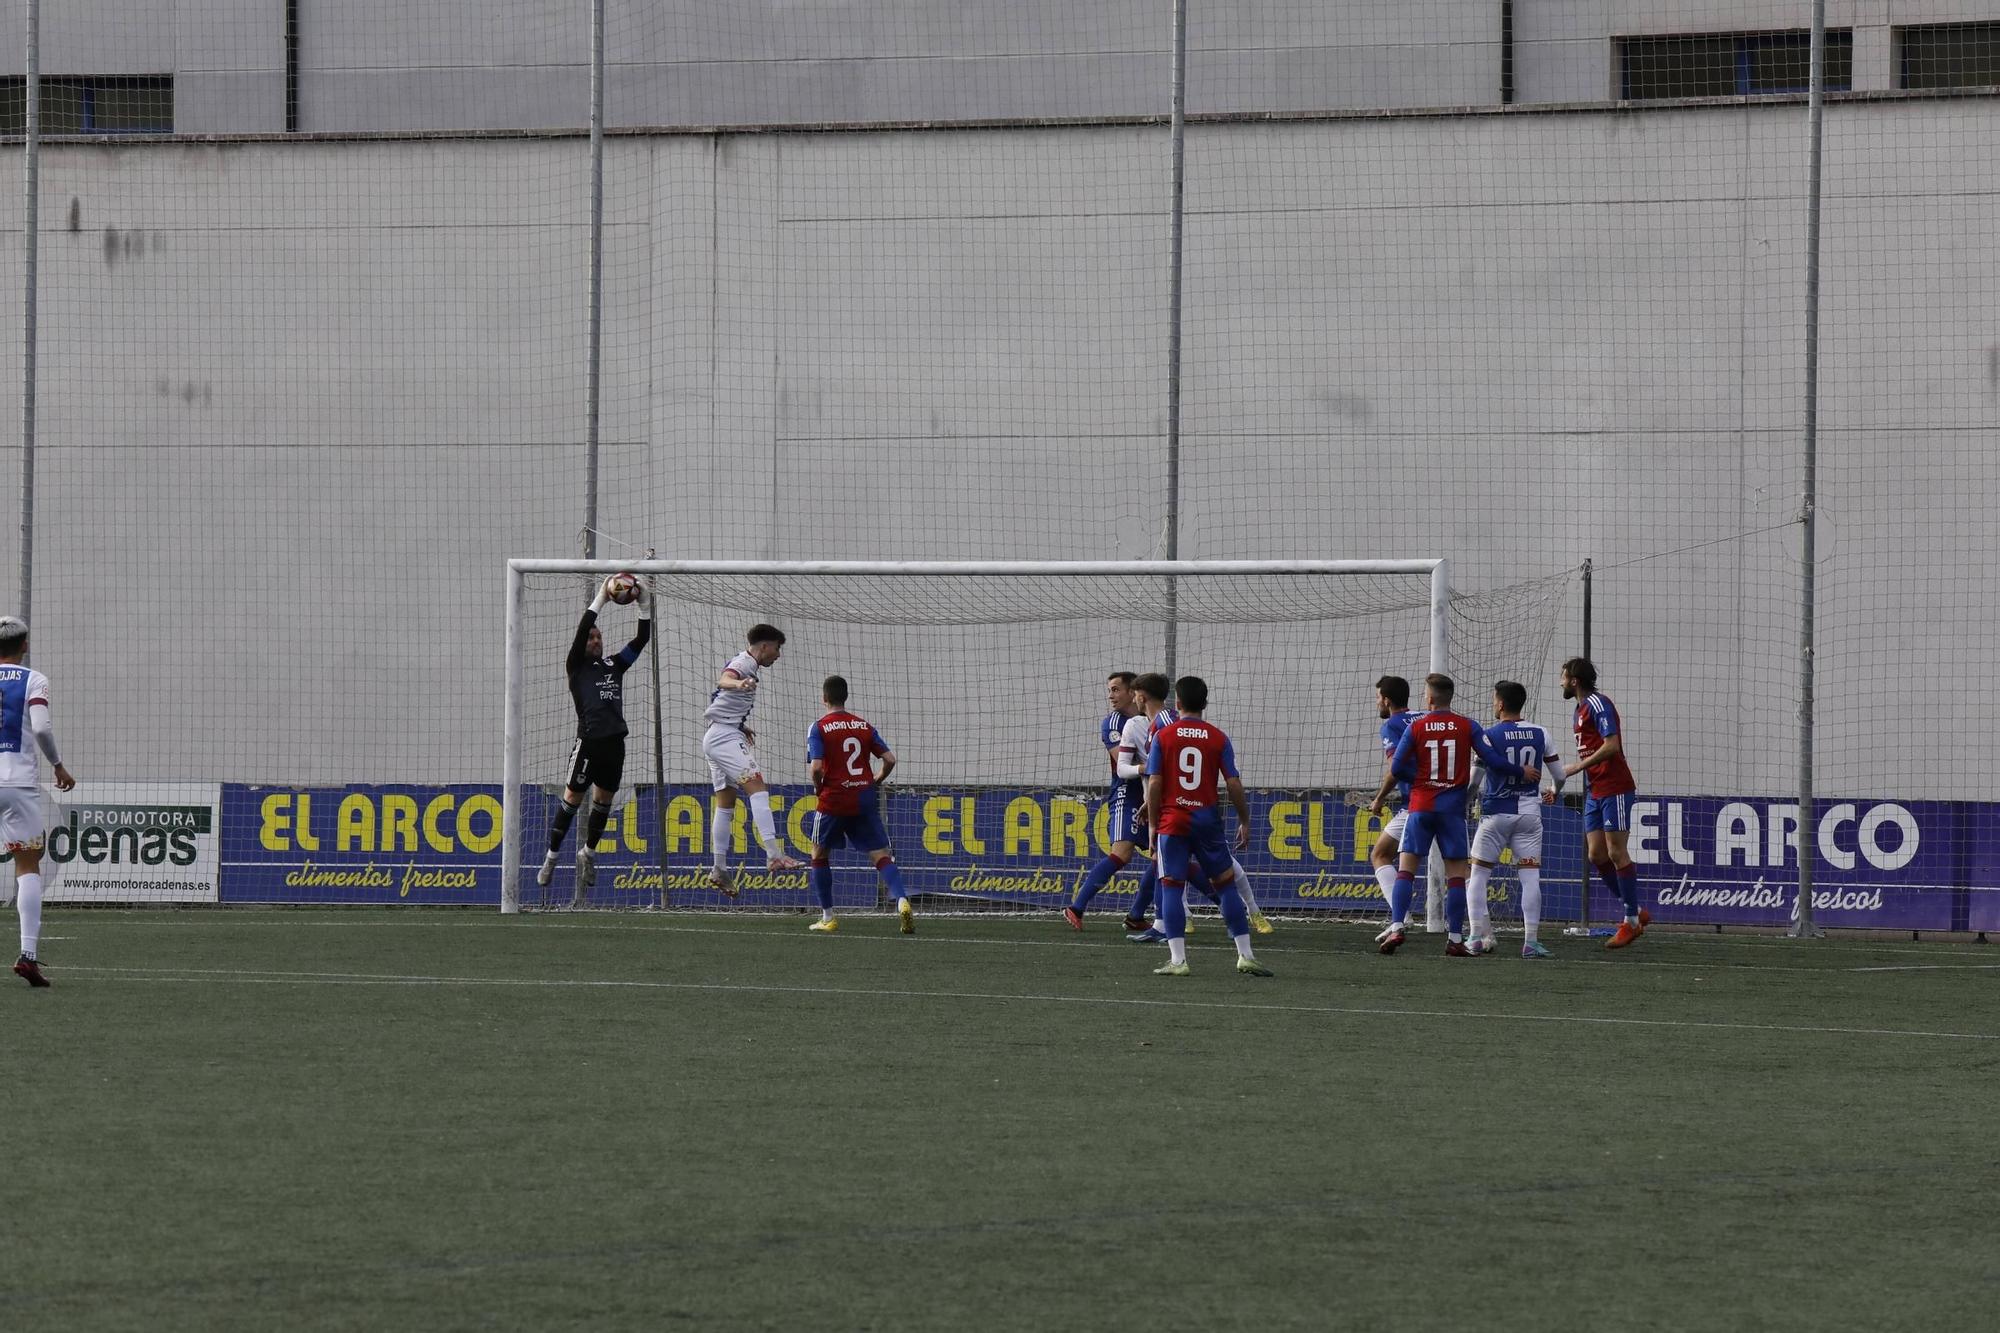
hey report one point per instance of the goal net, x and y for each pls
(988, 682)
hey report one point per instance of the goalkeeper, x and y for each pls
(597, 688)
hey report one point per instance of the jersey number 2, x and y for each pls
(856, 764)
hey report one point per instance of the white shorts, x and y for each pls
(22, 824)
(731, 760)
(1496, 833)
(1394, 828)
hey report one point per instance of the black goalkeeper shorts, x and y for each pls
(598, 763)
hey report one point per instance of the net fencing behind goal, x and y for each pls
(988, 683)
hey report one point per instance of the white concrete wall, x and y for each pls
(300, 401)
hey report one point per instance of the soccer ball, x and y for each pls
(624, 588)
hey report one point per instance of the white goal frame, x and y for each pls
(518, 569)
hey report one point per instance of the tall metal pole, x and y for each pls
(1583, 913)
(1802, 925)
(594, 388)
(1179, 176)
(31, 233)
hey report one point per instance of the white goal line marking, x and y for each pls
(1931, 967)
(656, 921)
(270, 977)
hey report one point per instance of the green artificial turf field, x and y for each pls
(440, 1120)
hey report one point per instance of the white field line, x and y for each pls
(271, 977)
(1931, 967)
(640, 920)
(1575, 953)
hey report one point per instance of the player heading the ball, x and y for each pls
(1435, 758)
(1191, 758)
(731, 750)
(24, 710)
(841, 750)
(597, 763)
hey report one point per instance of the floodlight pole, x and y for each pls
(31, 235)
(594, 376)
(1802, 923)
(1177, 192)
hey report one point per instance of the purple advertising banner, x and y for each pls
(1910, 865)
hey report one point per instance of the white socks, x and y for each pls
(1243, 947)
(1242, 883)
(28, 902)
(1177, 950)
(1475, 901)
(767, 827)
(1386, 877)
(718, 835)
(1531, 901)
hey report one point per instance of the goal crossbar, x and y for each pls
(519, 568)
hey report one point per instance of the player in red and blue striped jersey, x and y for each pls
(1607, 808)
(1190, 761)
(1435, 757)
(841, 750)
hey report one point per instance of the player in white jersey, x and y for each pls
(1510, 819)
(730, 748)
(24, 712)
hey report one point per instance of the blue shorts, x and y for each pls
(1610, 814)
(1124, 825)
(1444, 828)
(862, 832)
(1202, 846)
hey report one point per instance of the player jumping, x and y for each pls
(24, 710)
(1511, 820)
(1189, 759)
(1124, 799)
(841, 750)
(597, 688)
(1435, 757)
(730, 748)
(1607, 811)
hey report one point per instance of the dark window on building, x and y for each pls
(1948, 55)
(142, 104)
(1739, 64)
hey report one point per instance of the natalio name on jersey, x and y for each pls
(134, 842)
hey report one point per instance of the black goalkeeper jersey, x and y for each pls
(597, 684)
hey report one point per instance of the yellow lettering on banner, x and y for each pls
(480, 806)
(1367, 828)
(1284, 840)
(271, 834)
(354, 824)
(302, 834)
(938, 826)
(399, 820)
(1021, 827)
(624, 829)
(1316, 842)
(438, 807)
(967, 839)
(685, 830)
(1100, 827)
(795, 823)
(1068, 819)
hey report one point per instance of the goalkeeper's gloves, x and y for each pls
(645, 602)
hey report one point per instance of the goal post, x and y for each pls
(987, 678)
